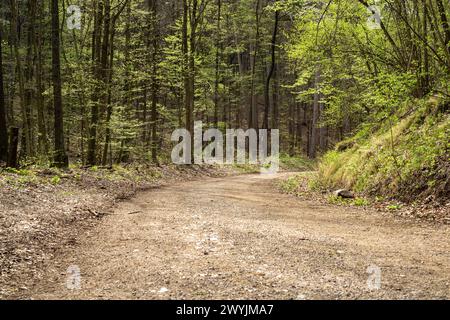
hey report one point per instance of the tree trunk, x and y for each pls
(315, 117)
(13, 143)
(444, 23)
(253, 116)
(187, 70)
(291, 128)
(29, 72)
(191, 55)
(42, 128)
(239, 111)
(60, 157)
(109, 108)
(3, 128)
(270, 74)
(105, 51)
(426, 72)
(97, 71)
(124, 154)
(216, 85)
(275, 99)
(155, 84)
(15, 41)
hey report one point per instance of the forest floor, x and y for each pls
(237, 237)
(44, 211)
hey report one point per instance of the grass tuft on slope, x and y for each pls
(407, 156)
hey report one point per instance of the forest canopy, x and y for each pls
(107, 81)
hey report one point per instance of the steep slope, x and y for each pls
(405, 156)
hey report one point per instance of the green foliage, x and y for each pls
(246, 168)
(290, 185)
(18, 178)
(20, 172)
(394, 207)
(55, 180)
(296, 163)
(358, 202)
(298, 184)
(140, 78)
(386, 161)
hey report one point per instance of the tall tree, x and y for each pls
(253, 115)
(41, 116)
(188, 94)
(315, 116)
(3, 128)
(60, 156)
(444, 22)
(97, 73)
(109, 76)
(217, 78)
(29, 71)
(271, 71)
(27, 137)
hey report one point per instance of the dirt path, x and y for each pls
(236, 238)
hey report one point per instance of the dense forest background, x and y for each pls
(108, 83)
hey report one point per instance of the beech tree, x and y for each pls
(113, 90)
(60, 158)
(3, 128)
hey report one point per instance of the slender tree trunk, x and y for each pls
(444, 23)
(29, 71)
(109, 107)
(296, 128)
(10, 114)
(145, 128)
(123, 154)
(13, 143)
(291, 128)
(187, 69)
(192, 52)
(105, 51)
(322, 130)
(270, 74)
(155, 84)
(275, 98)
(426, 58)
(42, 129)
(303, 127)
(15, 41)
(216, 85)
(253, 119)
(315, 117)
(239, 111)
(97, 71)
(3, 128)
(60, 158)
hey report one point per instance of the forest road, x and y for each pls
(237, 237)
